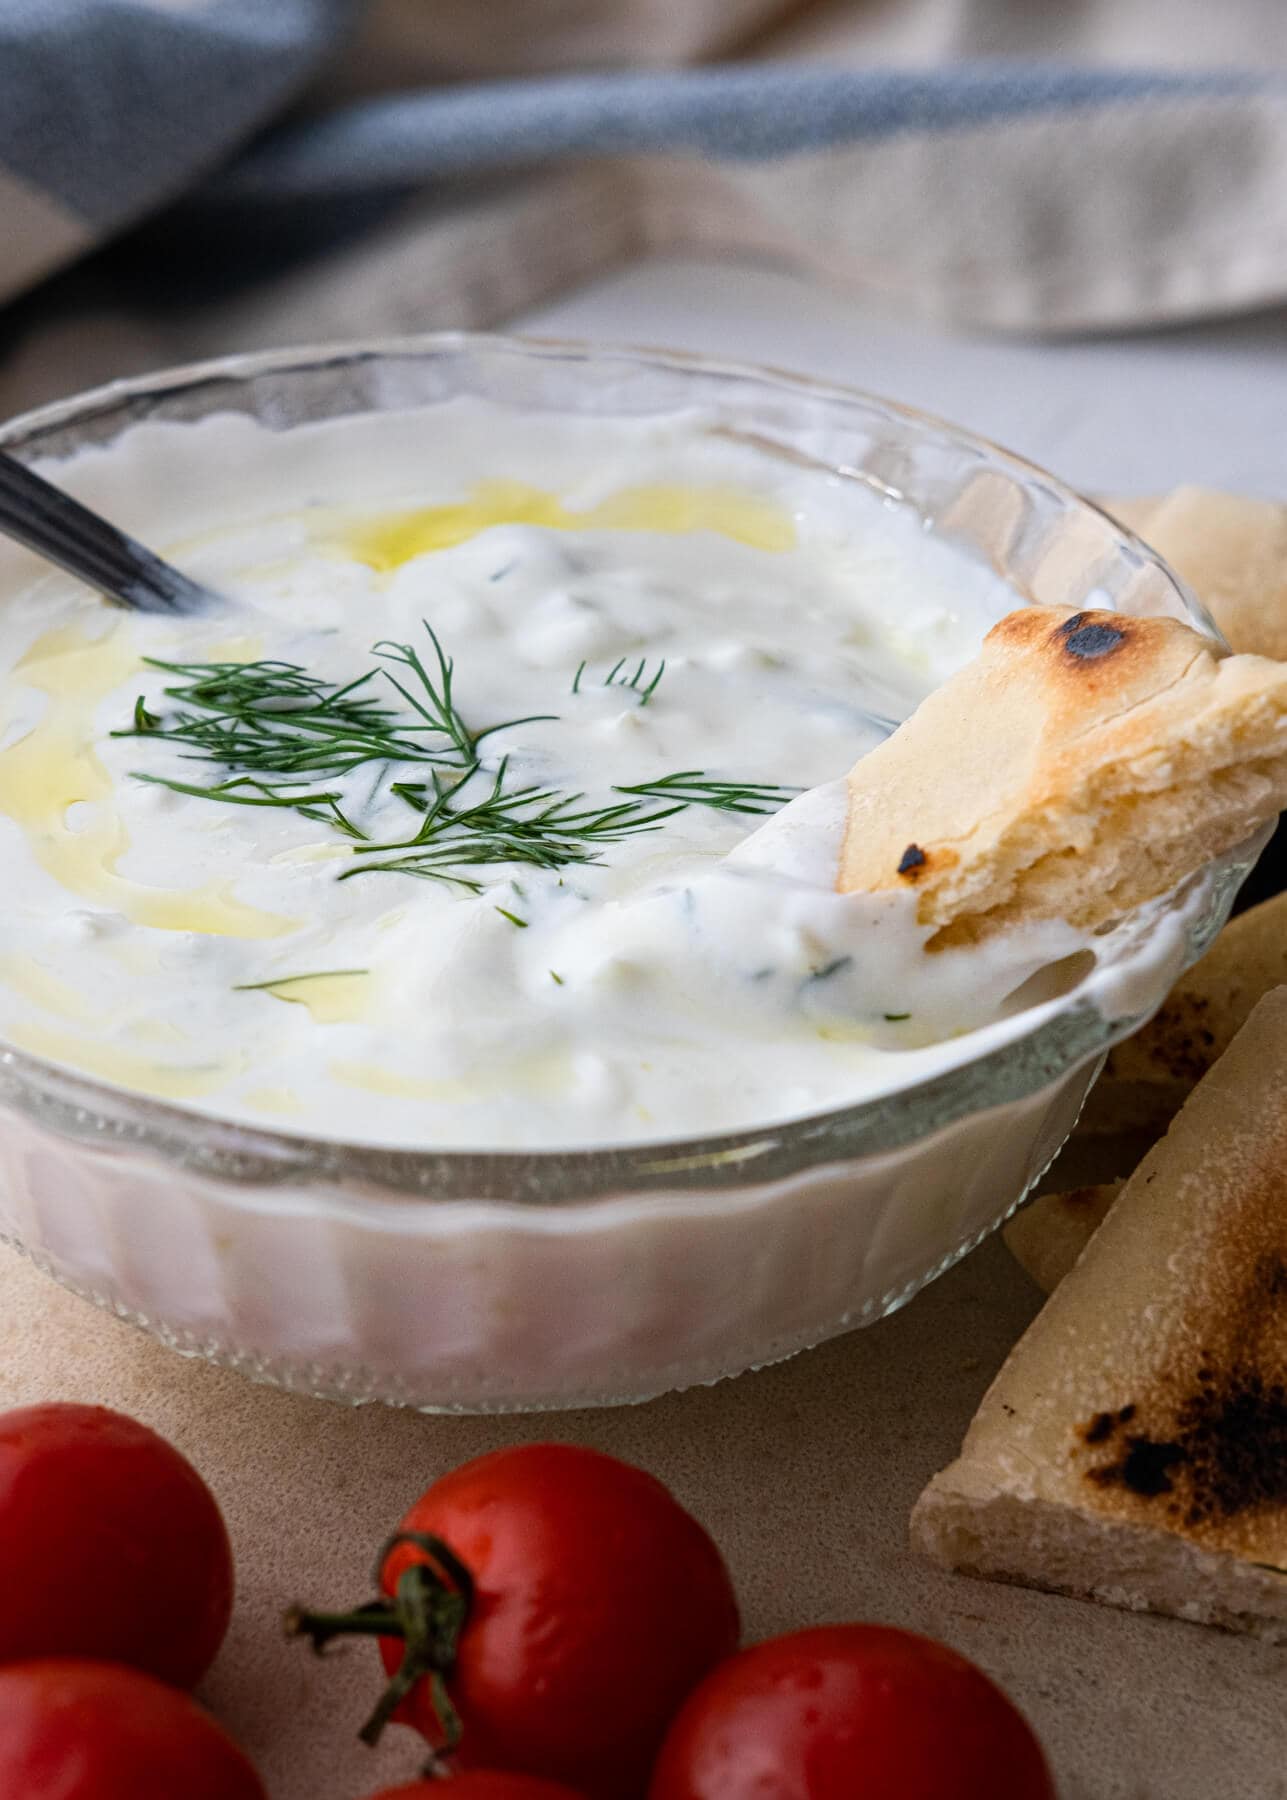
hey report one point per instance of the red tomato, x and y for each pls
(850, 1712)
(482, 1784)
(597, 1603)
(111, 1545)
(98, 1731)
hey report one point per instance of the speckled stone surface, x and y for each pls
(805, 1473)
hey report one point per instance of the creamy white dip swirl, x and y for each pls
(697, 977)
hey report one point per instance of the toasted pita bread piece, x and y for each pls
(1148, 1077)
(1083, 763)
(1051, 1232)
(1133, 1448)
(1233, 553)
(1133, 513)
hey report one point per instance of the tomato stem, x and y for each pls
(427, 1610)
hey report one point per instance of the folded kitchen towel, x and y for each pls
(1130, 165)
(111, 108)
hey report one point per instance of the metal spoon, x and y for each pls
(50, 522)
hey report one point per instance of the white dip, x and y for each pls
(691, 978)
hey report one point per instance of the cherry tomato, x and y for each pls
(111, 1545)
(850, 1712)
(572, 1604)
(482, 1784)
(98, 1731)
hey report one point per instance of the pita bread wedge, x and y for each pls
(1148, 1077)
(1133, 513)
(1051, 1232)
(1233, 553)
(1133, 1449)
(1084, 762)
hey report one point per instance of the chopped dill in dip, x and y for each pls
(500, 805)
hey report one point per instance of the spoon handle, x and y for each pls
(50, 522)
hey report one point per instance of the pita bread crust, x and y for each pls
(1134, 513)
(1083, 763)
(1051, 1232)
(1134, 1446)
(1148, 1077)
(1233, 553)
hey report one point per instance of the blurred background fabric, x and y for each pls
(184, 177)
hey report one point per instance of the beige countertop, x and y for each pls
(805, 1473)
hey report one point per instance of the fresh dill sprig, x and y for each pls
(246, 790)
(259, 987)
(617, 678)
(283, 737)
(434, 702)
(692, 787)
(540, 826)
(274, 718)
(424, 867)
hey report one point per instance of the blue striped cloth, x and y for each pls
(1011, 193)
(748, 114)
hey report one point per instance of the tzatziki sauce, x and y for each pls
(560, 868)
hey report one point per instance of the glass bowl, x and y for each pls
(495, 1281)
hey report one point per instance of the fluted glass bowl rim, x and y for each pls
(82, 1107)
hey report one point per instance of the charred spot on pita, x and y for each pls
(1099, 1429)
(1225, 1451)
(1146, 1468)
(1088, 642)
(911, 862)
(1104, 1424)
